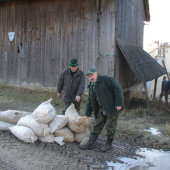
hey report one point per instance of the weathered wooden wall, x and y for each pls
(129, 27)
(51, 32)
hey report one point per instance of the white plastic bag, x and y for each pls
(59, 140)
(57, 123)
(80, 136)
(45, 112)
(75, 122)
(47, 139)
(12, 116)
(39, 129)
(24, 133)
(5, 125)
(84, 141)
(66, 133)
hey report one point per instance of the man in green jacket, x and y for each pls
(72, 84)
(106, 101)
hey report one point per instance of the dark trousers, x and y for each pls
(166, 94)
(67, 104)
(111, 124)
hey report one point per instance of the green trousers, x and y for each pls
(111, 124)
(67, 104)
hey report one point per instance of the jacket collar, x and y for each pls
(77, 72)
(98, 78)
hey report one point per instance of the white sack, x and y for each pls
(75, 122)
(66, 133)
(5, 125)
(24, 133)
(39, 129)
(47, 139)
(12, 116)
(57, 123)
(80, 136)
(59, 140)
(45, 112)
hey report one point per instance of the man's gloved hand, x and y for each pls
(78, 98)
(86, 118)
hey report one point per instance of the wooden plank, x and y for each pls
(57, 30)
(155, 87)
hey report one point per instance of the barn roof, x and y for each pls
(142, 64)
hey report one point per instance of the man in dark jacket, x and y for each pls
(72, 83)
(106, 101)
(167, 87)
(164, 81)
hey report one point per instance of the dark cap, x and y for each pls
(91, 70)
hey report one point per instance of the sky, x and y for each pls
(158, 29)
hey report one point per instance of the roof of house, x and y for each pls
(145, 67)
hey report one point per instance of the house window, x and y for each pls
(166, 51)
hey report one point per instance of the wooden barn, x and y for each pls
(39, 37)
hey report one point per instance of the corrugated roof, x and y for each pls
(142, 64)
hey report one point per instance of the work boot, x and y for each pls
(90, 143)
(108, 145)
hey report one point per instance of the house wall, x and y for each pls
(129, 27)
(50, 33)
(167, 58)
(154, 53)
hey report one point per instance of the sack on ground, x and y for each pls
(45, 112)
(24, 133)
(66, 133)
(47, 139)
(58, 123)
(12, 116)
(5, 125)
(39, 129)
(80, 136)
(75, 122)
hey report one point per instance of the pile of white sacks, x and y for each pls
(45, 125)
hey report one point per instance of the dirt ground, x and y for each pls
(130, 135)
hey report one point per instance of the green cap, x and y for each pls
(91, 70)
(73, 62)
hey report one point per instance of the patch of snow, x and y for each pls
(153, 131)
(154, 159)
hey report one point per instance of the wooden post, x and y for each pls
(146, 93)
(155, 87)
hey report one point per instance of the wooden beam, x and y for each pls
(155, 87)
(146, 92)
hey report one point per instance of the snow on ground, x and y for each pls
(154, 160)
(153, 131)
